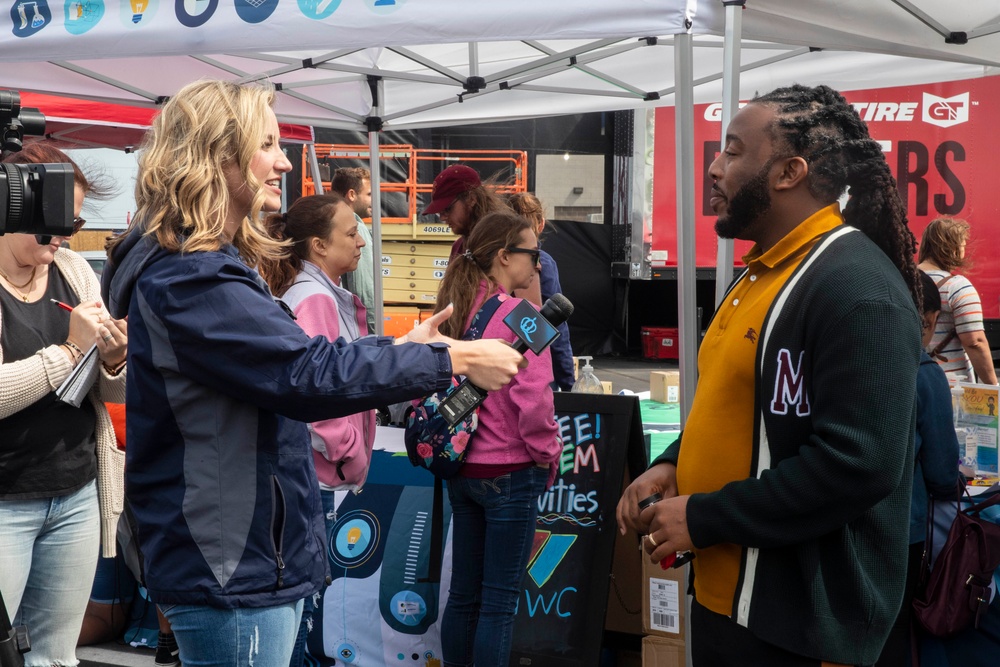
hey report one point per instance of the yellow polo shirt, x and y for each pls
(718, 437)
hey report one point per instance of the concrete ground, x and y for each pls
(630, 373)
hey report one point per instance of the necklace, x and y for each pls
(18, 288)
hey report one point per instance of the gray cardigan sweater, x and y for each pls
(24, 382)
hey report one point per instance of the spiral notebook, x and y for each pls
(79, 382)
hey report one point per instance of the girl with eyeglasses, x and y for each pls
(511, 457)
(61, 475)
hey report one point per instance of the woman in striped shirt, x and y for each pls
(959, 343)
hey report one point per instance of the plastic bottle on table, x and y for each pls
(586, 381)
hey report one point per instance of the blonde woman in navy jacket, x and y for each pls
(219, 473)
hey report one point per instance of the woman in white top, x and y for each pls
(959, 343)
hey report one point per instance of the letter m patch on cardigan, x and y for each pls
(789, 388)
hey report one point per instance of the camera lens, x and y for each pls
(36, 199)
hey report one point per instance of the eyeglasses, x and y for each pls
(536, 254)
(78, 224)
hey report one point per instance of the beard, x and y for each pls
(747, 206)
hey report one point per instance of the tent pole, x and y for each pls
(684, 157)
(473, 58)
(374, 127)
(730, 105)
(314, 168)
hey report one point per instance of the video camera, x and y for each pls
(34, 198)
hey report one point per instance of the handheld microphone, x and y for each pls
(535, 331)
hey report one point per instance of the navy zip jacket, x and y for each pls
(562, 353)
(219, 471)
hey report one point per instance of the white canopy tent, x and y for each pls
(417, 63)
(524, 58)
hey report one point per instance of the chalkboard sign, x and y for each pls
(560, 615)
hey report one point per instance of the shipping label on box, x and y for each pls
(664, 605)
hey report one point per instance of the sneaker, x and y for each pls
(167, 653)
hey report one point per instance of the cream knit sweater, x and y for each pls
(24, 382)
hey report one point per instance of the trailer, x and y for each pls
(937, 139)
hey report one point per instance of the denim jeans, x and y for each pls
(493, 529)
(48, 556)
(312, 603)
(238, 637)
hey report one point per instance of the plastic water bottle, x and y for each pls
(586, 381)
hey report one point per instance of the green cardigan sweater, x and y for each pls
(824, 518)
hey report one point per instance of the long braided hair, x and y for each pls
(819, 125)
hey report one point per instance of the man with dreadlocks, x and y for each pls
(792, 485)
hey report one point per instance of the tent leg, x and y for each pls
(314, 168)
(374, 166)
(730, 105)
(684, 156)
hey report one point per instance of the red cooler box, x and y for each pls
(659, 342)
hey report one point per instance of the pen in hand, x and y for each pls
(64, 306)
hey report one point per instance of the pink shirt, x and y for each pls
(516, 424)
(342, 447)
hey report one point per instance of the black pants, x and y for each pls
(896, 652)
(718, 641)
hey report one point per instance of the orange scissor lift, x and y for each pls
(414, 254)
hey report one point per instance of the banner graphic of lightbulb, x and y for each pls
(354, 538)
(138, 13)
(353, 535)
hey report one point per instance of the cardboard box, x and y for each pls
(657, 652)
(665, 386)
(624, 609)
(608, 389)
(664, 600)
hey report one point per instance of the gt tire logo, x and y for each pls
(945, 112)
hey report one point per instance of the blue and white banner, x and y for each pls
(120, 28)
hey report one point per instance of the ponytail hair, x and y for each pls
(307, 218)
(460, 285)
(529, 207)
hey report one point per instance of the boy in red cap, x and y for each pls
(460, 200)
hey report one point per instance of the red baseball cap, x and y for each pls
(454, 181)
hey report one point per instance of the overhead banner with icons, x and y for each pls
(116, 28)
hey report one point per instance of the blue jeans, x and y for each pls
(238, 637)
(493, 530)
(311, 604)
(48, 555)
